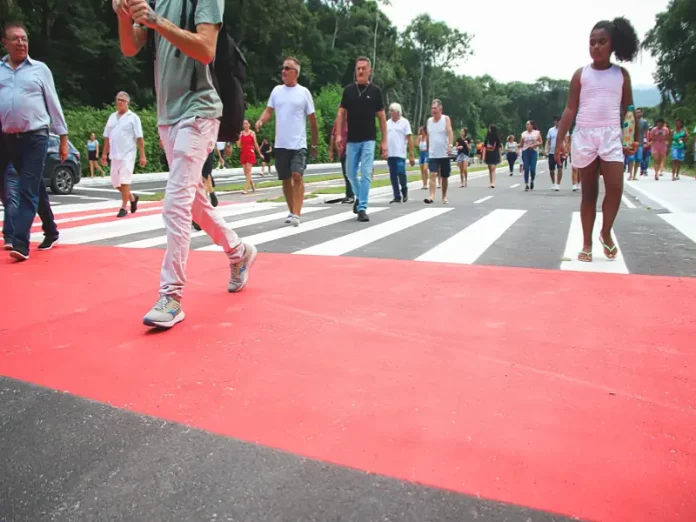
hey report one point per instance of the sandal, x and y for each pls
(585, 256)
(612, 251)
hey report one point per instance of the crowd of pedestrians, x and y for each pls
(189, 121)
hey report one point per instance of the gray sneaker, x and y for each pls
(165, 314)
(239, 271)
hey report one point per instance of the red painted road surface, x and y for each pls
(568, 392)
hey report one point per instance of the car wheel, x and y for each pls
(63, 181)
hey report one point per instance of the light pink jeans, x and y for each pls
(187, 145)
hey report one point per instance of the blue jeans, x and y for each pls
(646, 161)
(360, 154)
(529, 157)
(397, 175)
(9, 194)
(23, 184)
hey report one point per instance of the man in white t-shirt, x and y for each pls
(398, 135)
(292, 104)
(123, 134)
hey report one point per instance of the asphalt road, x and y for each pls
(503, 226)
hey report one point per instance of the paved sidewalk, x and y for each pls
(674, 196)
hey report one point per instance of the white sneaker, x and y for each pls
(295, 221)
(289, 218)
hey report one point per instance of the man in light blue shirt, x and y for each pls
(28, 106)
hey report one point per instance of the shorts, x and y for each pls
(678, 154)
(461, 158)
(553, 164)
(209, 164)
(492, 157)
(441, 166)
(288, 161)
(122, 171)
(423, 157)
(92, 155)
(590, 143)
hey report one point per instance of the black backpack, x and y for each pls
(228, 70)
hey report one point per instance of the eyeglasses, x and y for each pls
(121, 100)
(22, 39)
(288, 68)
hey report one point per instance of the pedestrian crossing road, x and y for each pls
(540, 231)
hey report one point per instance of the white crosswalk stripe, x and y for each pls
(599, 262)
(279, 233)
(468, 245)
(162, 240)
(344, 244)
(476, 234)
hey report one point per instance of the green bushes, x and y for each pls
(85, 120)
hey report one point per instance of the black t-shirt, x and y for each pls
(464, 144)
(491, 142)
(362, 103)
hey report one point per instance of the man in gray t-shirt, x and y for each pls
(188, 128)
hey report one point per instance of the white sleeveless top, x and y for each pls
(600, 97)
(437, 132)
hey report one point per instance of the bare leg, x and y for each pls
(491, 174)
(91, 169)
(445, 185)
(297, 192)
(613, 188)
(588, 205)
(433, 185)
(288, 193)
(461, 172)
(424, 175)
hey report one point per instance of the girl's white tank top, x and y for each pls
(600, 97)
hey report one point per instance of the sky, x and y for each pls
(523, 41)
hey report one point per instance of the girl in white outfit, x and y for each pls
(600, 94)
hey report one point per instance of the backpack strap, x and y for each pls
(192, 27)
(182, 20)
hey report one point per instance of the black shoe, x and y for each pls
(526, 188)
(19, 253)
(355, 206)
(405, 198)
(122, 213)
(196, 226)
(395, 201)
(48, 243)
(134, 204)
(213, 199)
(531, 185)
(362, 216)
(349, 199)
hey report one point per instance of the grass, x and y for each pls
(234, 187)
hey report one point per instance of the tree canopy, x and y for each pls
(79, 41)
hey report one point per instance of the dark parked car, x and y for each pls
(61, 177)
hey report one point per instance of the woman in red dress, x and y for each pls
(247, 146)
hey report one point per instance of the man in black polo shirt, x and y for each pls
(361, 101)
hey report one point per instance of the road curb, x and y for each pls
(162, 176)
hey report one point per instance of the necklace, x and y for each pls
(360, 93)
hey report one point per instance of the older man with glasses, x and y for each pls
(122, 135)
(28, 106)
